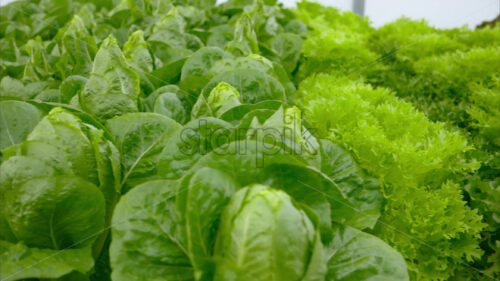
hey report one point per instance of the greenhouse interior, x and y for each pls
(249, 140)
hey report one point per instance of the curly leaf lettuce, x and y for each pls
(414, 159)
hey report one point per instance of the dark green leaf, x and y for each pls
(20, 262)
(354, 255)
(140, 137)
(56, 212)
(364, 192)
(146, 244)
(18, 119)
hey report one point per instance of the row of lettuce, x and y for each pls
(452, 78)
(180, 140)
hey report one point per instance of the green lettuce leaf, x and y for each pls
(140, 137)
(20, 262)
(146, 243)
(251, 246)
(113, 87)
(356, 255)
(362, 191)
(18, 119)
(415, 161)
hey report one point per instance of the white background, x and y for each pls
(440, 13)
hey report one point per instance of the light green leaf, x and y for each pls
(264, 235)
(222, 98)
(113, 87)
(253, 86)
(60, 140)
(245, 40)
(137, 53)
(38, 67)
(78, 47)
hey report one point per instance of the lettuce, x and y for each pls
(247, 234)
(167, 140)
(416, 161)
(452, 76)
(336, 42)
